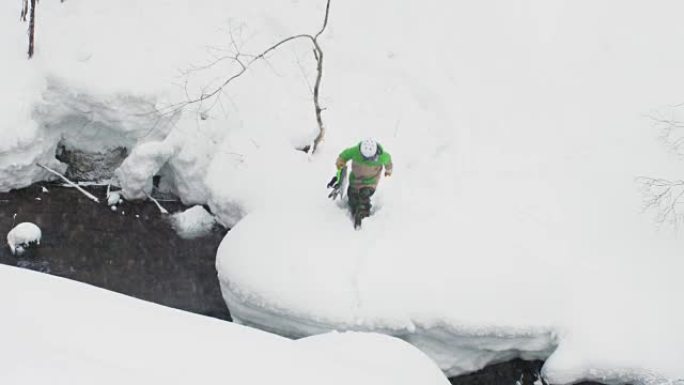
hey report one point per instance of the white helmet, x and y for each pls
(369, 148)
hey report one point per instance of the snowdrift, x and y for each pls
(466, 302)
(63, 332)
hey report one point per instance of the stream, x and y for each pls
(135, 251)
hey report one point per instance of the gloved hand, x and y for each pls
(333, 182)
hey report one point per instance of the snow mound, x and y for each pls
(193, 222)
(463, 299)
(68, 331)
(317, 274)
(377, 352)
(23, 236)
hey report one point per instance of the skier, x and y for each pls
(368, 159)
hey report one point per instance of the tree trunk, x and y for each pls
(32, 28)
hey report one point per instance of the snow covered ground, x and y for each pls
(512, 225)
(59, 331)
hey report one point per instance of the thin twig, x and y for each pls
(24, 10)
(671, 133)
(664, 197)
(156, 202)
(244, 67)
(325, 20)
(70, 183)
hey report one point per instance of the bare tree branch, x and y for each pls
(245, 65)
(325, 20)
(318, 53)
(671, 133)
(664, 197)
(24, 10)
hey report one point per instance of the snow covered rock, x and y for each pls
(136, 172)
(114, 198)
(91, 165)
(23, 236)
(193, 222)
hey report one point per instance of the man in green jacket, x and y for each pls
(368, 160)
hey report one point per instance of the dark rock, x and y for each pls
(87, 166)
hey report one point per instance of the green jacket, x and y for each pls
(365, 173)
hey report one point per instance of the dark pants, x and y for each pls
(359, 200)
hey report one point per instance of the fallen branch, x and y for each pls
(70, 183)
(156, 202)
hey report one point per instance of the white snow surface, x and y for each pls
(22, 235)
(64, 332)
(371, 351)
(193, 222)
(512, 225)
(114, 198)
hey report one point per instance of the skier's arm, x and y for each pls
(344, 157)
(340, 163)
(388, 164)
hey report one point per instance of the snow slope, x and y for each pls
(62, 332)
(512, 224)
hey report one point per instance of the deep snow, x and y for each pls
(512, 223)
(63, 332)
